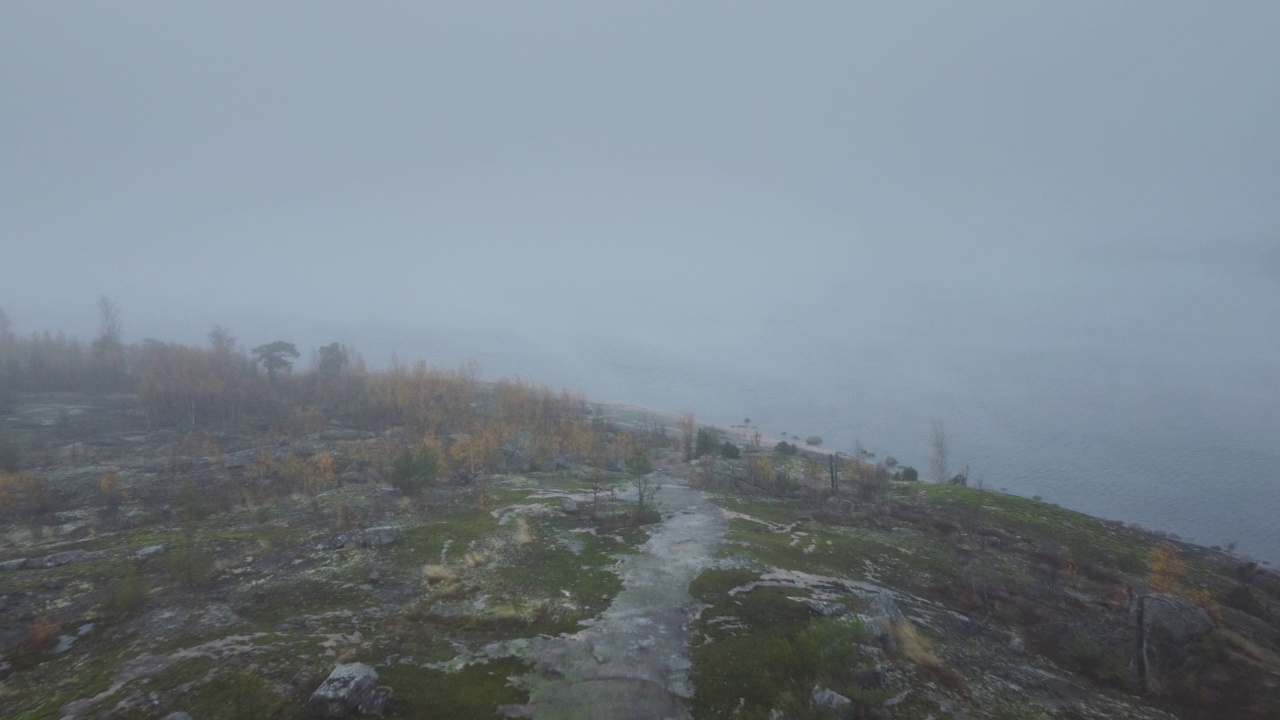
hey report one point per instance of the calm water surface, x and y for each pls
(1156, 404)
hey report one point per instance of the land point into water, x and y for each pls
(551, 557)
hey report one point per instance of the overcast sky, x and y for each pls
(568, 164)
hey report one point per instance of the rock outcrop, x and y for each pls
(378, 536)
(1168, 626)
(65, 557)
(517, 455)
(827, 698)
(148, 552)
(1173, 619)
(882, 611)
(350, 688)
(370, 537)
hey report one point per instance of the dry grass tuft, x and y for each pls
(524, 535)
(42, 636)
(475, 560)
(438, 574)
(917, 649)
(912, 645)
(1267, 658)
(507, 613)
(452, 591)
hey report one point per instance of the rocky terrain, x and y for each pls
(145, 573)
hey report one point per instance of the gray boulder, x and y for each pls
(886, 607)
(517, 453)
(1168, 627)
(569, 506)
(826, 698)
(333, 542)
(824, 609)
(177, 715)
(882, 611)
(66, 557)
(379, 536)
(1173, 619)
(148, 552)
(65, 642)
(10, 565)
(350, 688)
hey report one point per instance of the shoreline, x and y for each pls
(744, 435)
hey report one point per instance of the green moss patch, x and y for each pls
(242, 695)
(423, 544)
(272, 603)
(476, 691)
(1087, 539)
(761, 650)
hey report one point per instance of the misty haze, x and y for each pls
(775, 256)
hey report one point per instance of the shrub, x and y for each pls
(41, 636)
(1166, 569)
(1097, 662)
(23, 495)
(638, 462)
(438, 573)
(909, 474)
(111, 494)
(190, 504)
(277, 536)
(189, 566)
(706, 442)
(730, 450)
(319, 473)
(413, 471)
(127, 593)
(294, 471)
(242, 696)
(786, 448)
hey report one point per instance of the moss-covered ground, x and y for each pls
(261, 575)
(758, 651)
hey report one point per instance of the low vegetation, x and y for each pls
(206, 530)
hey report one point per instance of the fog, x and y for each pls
(1053, 226)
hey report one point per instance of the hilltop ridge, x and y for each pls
(226, 573)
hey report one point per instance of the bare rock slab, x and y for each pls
(1176, 619)
(66, 557)
(350, 688)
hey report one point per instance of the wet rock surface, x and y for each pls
(633, 662)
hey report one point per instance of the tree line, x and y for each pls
(222, 384)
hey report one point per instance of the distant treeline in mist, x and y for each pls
(224, 387)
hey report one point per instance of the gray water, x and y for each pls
(1146, 398)
(1051, 226)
